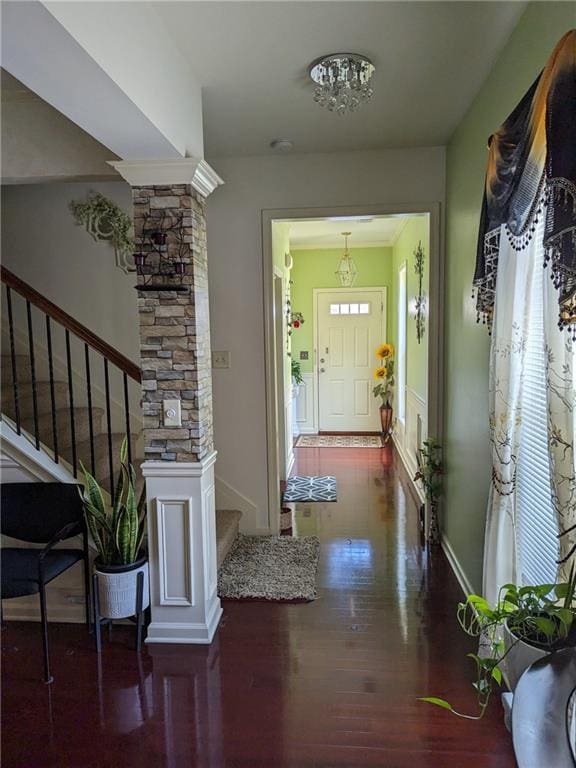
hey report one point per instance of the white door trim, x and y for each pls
(315, 293)
(270, 521)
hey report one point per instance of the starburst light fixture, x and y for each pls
(346, 271)
(342, 81)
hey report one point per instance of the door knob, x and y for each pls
(322, 360)
(322, 370)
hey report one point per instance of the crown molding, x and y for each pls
(401, 228)
(185, 170)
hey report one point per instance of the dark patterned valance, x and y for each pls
(532, 172)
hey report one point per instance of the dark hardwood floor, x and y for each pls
(324, 684)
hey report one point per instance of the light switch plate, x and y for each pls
(221, 359)
(172, 413)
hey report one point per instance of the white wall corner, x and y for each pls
(228, 497)
(186, 170)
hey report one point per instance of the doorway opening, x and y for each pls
(326, 333)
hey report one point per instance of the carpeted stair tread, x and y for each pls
(64, 432)
(43, 398)
(101, 456)
(23, 368)
(227, 527)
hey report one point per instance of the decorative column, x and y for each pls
(177, 401)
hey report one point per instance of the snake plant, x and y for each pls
(117, 529)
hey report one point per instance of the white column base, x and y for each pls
(182, 550)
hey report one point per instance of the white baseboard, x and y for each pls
(409, 467)
(459, 572)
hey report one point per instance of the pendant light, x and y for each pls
(346, 271)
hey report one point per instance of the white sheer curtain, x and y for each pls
(561, 399)
(519, 291)
(509, 331)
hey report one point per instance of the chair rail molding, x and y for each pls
(182, 550)
(186, 170)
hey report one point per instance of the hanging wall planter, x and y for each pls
(106, 221)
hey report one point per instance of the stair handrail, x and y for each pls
(70, 323)
(108, 354)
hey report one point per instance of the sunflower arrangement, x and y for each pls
(384, 373)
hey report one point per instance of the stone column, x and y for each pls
(176, 366)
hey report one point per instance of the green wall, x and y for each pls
(416, 230)
(280, 247)
(467, 453)
(316, 269)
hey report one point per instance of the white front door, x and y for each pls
(350, 325)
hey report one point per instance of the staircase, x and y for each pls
(75, 434)
(70, 396)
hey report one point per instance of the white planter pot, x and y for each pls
(117, 589)
(519, 658)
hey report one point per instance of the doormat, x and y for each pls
(270, 568)
(301, 488)
(339, 441)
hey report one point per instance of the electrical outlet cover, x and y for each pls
(221, 359)
(172, 413)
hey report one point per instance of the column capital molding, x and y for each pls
(185, 170)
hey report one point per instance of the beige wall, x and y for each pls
(235, 274)
(43, 245)
(38, 142)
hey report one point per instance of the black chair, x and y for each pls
(41, 513)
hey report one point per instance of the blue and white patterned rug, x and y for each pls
(301, 488)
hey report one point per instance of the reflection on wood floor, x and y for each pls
(329, 683)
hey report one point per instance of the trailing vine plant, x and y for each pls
(104, 220)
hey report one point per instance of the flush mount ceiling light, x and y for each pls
(346, 271)
(281, 145)
(342, 81)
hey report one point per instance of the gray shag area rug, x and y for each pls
(270, 568)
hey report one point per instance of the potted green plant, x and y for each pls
(526, 624)
(430, 471)
(384, 375)
(296, 370)
(117, 531)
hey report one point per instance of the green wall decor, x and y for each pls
(420, 304)
(416, 230)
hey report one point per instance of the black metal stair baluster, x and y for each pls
(90, 414)
(33, 374)
(71, 404)
(109, 428)
(127, 415)
(13, 360)
(52, 393)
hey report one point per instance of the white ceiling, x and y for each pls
(327, 233)
(252, 58)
